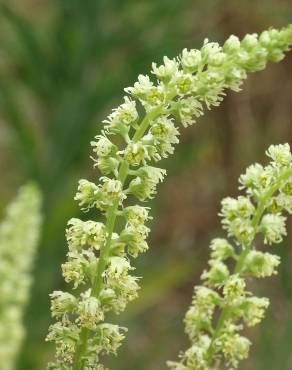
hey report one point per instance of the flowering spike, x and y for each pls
(146, 125)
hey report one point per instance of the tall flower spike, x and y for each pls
(180, 91)
(223, 291)
(19, 234)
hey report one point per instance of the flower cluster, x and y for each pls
(136, 135)
(19, 234)
(268, 194)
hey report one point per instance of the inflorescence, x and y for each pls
(19, 234)
(248, 218)
(140, 132)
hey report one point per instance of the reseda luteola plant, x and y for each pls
(19, 235)
(140, 131)
(258, 213)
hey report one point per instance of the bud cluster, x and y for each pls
(19, 234)
(145, 127)
(224, 289)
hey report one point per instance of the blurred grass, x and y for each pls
(63, 66)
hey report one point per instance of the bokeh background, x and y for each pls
(63, 66)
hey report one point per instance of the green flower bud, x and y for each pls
(280, 154)
(191, 60)
(212, 53)
(188, 110)
(221, 249)
(108, 337)
(88, 195)
(135, 153)
(166, 71)
(103, 147)
(144, 186)
(232, 44)
(261, 264)
(250, 41)
(233, 208)
(136, 215)
(234, 347)
(89, 311)
(111, 189)
(273, 227)
(66, 336)
(253, 310)
(217, 275)
(233, 289)
(107, 165)
(118, 267)
(125, 114)
(74, 270)
(85, 233)
(62, 303)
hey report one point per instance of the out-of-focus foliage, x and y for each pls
(63, 65)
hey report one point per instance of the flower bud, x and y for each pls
(261, 264)
(250, 41)
(62, 303)
(273, 227)
(135, 153)
(89, 311)
(191, 60)
(221, 249)
(136, 215)
(88, 194)
(167, 70)
(232, 44)
(217, 275)
(280, 154)
(103, 147)
(82, 233)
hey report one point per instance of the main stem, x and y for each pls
(110, 225)
(242, 257)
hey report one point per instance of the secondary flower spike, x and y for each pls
(219, 342)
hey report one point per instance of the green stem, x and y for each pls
(242, 257)
(78, 363)
(110, 225)
(146, 121)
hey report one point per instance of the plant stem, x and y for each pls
(110, 225)
(224, 315)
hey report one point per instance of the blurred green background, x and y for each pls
(63, 66)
